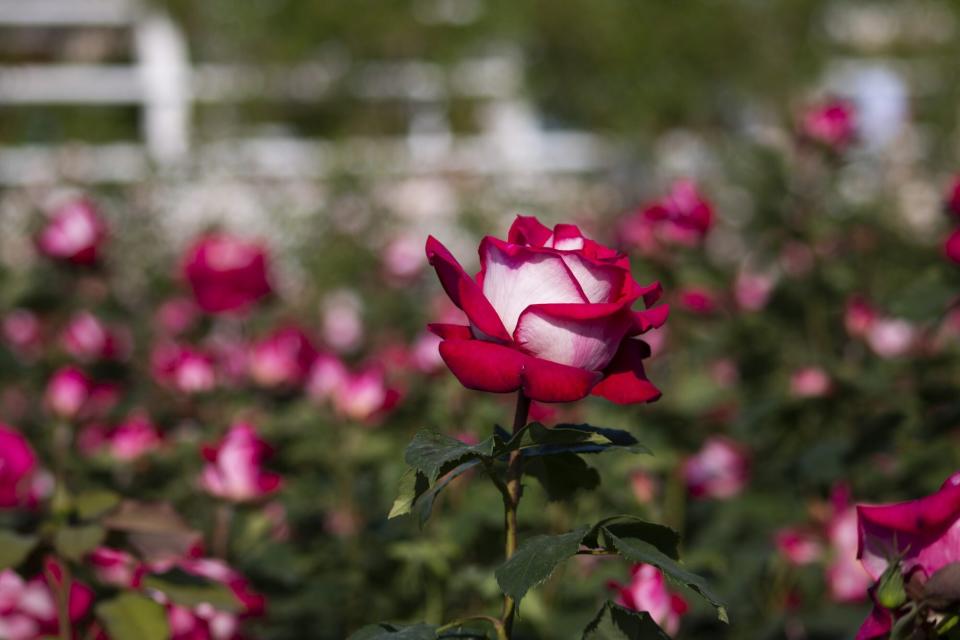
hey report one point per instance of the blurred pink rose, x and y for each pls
(75, 234)
(342, 321)
(132, 439)
(859, 316)
(282, 359)
(721, 469)
(647, 591)
(28, 610)
(364, 395)
(21, 330)
(810, 382)
(185, 369)
(87, 339)
(327, 375)
(177, 315)
(116, 568)
(891, 337)
(831, 124)
(952, 246)
(697, 300)
(403, 258)
(234, 469)
(952, 200)
(752, 290)
(644, 485)
(425, 353)
(846, 578)
(68, 392)
(681, 217)
(226, 273)
(18, 470)
(798, 546)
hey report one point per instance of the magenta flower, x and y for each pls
(116, 567)
(831, 124)
(952, 200)
(183, 368)
(721, 469)
(798, 546)
(234, 470)
(282, 359)
(647, 591)
(364, 395)
(550, 313)
(18, 470)
(225, 273)
(74, 234)
(86, 338)
(810, 382)
(846, 579)
(68, 392)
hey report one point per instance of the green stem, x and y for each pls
(497, 625)
(222, 521)
(511, 501)
(61, 594)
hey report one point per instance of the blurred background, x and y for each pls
(782, 167)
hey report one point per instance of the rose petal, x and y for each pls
(529, 231)
(625, 381)
(464, 292)
(447, 331)
(576, 335)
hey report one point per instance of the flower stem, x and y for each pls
(511, 501)
(61, 593)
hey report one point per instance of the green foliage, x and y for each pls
(614, 622)
(189, 590)
(534, 561)
(74, 543)
(131, 616)
(14, 548)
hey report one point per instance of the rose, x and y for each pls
(74, 234)
(183, 368)
(363, 395)
(923, 533)
(226, 273)
(797, 546)
(810, 382)
(68, 392)
(846, 579)
(116, 567)
(952, 246)
(282, 359)
(721, 469)
(18, 470)
(831, 124)
(648, 592)
(233, 471)
(87, 338)
(550, 314)
(682, 217)
(952, 201)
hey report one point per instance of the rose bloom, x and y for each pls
(810, 382)
(721, 469)
(234, 469)
(797, 546)
(952, 201)
(86, 338)
(116, 568)
(924, 532)
(859, 316)
(402, 259)
(176, 316)
(183, 368)
(282, 359)
(342, 324)
(28, 609)
(891, 337)
(698, 301)
(647, 591)
(846, 579)
(21, 330)
(550, 314)
(425, 353)
(225, 273)
(74, 234)
(952, 246)
(327, 375)
(644, 485)
(132, 439)
(364, 395)
(831, 124)
(752, 290)
(682, 217)
(68, 392)
(18, 470)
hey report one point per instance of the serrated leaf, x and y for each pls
(637, 550)
(412, 485)
(661, 536)
(93, 504)
(384, 631)
(535, 560)
(580, 438)
(189, 590)
(614, 622)
(563, 474)
(424, 504)
(74, 543)
(131, 616)
(435, 454)
(14, 548)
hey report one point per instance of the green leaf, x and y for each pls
(14, 548)
(189, 590)
(413, 484)
(424, 504)
(93, 504)
(661, 536)
(434, 453)
(385, 631)
(131, 616)
(562, 475)
(614, 622)
(535, 560)
(74, 543)
(637, 550)
(584, 438)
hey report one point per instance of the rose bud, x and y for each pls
(133, 439)
(721, 469)
(68, 392)
(698, 301)
(116, 568)
(831, 124)
(364, 395)
(185, 369)
(859, 317)
(18, 470)
(550, 314)
(226, 274)
(648, 592)
(21, 330)
(891, 337)
(810, 382)
(798, 547)
(952, 201)
(234, 470)
(74, 234)
(282, 359)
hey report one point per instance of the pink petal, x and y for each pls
(446, 331)
(464, 292)
(577, 335)
(625, 381)
(529, 231)
(877, 625)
